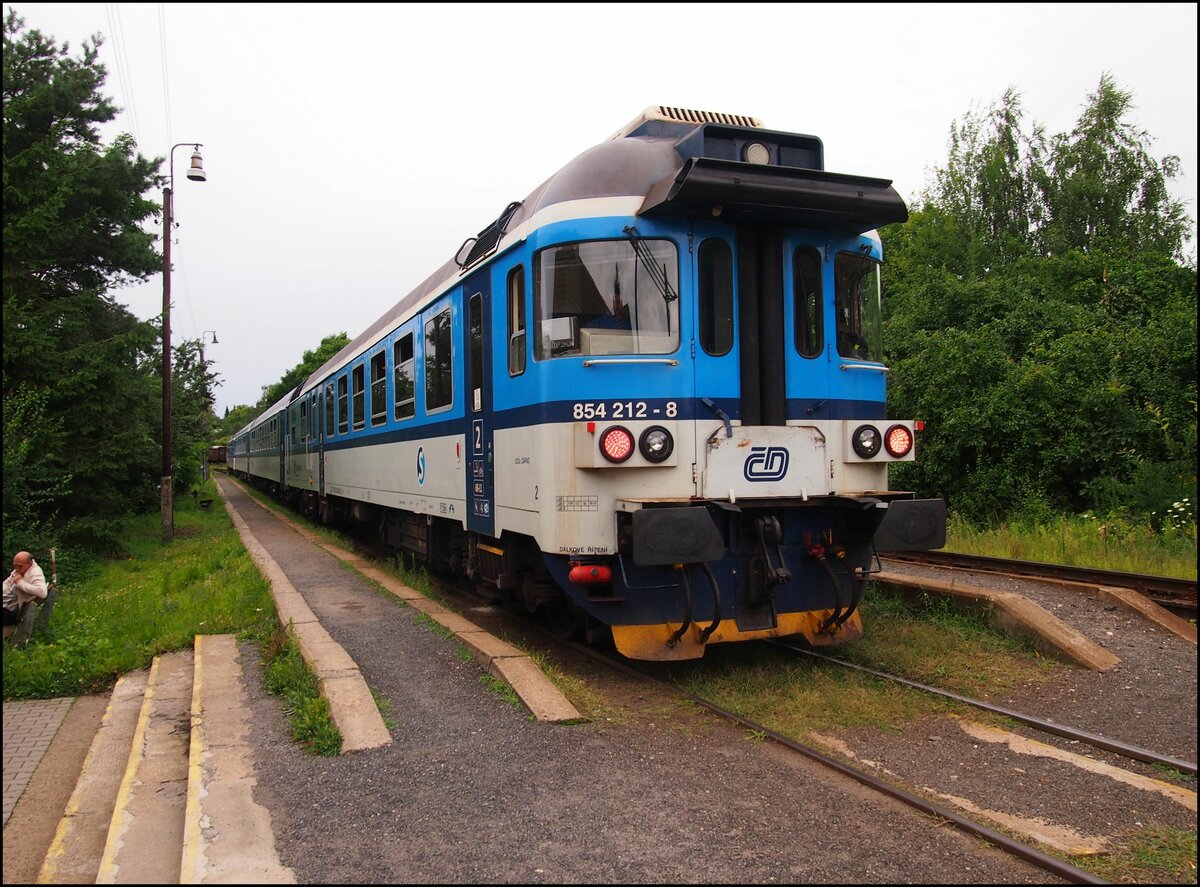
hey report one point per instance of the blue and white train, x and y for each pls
(648, 398)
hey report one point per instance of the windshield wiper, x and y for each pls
(658, 273)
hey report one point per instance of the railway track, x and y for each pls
(1126, 750)
(1045, 862)
(1176, 595)
(1055, 866)
(1020, 848)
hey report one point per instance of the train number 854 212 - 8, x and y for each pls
(624, 409)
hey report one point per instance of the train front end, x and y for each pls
(726, 420)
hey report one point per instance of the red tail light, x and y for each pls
(898, 441)
(616, 443)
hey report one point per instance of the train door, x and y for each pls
(715, 346)
(289, 445)
(312, 445)
(283, 445)
(326, 430)
(477, 383)
(806, 354)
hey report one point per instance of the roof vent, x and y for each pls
(484, 244)
(684, 116)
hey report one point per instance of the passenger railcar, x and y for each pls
(649, 397)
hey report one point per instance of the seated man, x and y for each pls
(24, 583)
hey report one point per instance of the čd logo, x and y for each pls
(766, 464)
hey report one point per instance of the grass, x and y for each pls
(1086, 540)
(432, 625)
(501, 689)
(1155, 855)
(287, 675)
(155, 599)
(922, 639)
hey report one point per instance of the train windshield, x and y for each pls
(859, 314)
(607, 297)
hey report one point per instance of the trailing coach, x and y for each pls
(648, 399)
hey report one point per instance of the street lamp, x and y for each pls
(203, 339)
(195, 173)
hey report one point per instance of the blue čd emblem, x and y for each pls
(421, 465)
(766, 464)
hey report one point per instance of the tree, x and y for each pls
(1041, 321)
(79, 370)
(233, 421)
(312, 361)
(194, 428)
(1103, 190)
(987, 184)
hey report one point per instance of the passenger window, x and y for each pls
(405, 385)
(359, 396)
(439, 372)
(807, 300)
(304, 420)
(343, 406)
(516, 321)
(715, 265)
(329, 409)
(379, 388)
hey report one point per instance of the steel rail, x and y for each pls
(1014, 847)
(1093, 739)
(1041, 860)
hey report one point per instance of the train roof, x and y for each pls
(675, 161)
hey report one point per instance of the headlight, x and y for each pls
(899, 441)
(866, 441)
(756, 152)
(656, 444)
(616, 443)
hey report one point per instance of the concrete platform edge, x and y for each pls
(1019, 615)
(83, 828)
(358, 719)
(536, 690)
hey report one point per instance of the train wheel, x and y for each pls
(597, 633)
(565, 619)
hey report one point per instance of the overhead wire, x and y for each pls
(166, 82)
(124, 72)
(162, 43)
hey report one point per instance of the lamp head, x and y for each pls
(196, 170)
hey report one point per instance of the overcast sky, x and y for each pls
(351, 148)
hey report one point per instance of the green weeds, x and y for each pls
(1115, 542)
(500, 688)
(922, 639)
(155, 599)
(1155, 855)
(287, 675)
(152, 600)
(430, 624)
